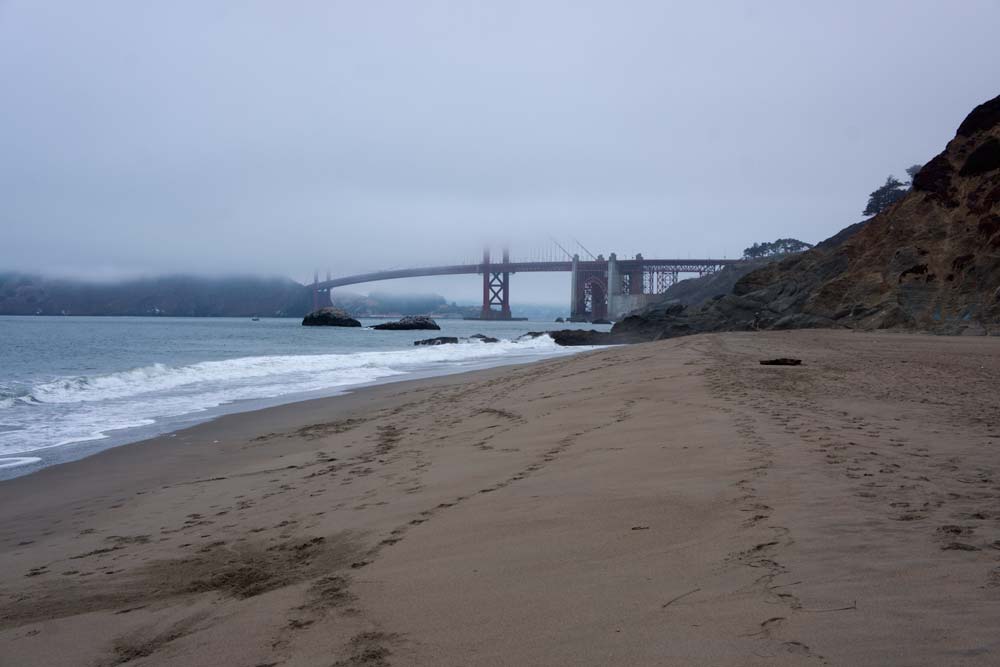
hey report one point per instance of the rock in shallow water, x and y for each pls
(440, 340)
(329, 317)
(571, 337)
(418, 322)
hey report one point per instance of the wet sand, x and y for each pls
(666, 503)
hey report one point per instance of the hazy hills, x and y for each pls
(194, 296)
(184, 296)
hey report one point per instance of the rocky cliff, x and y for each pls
(930, 262)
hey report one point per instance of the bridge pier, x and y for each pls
(590, 290)
(612, 288)
(576, 307)
(627, 290)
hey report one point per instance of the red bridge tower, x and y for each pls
(496, 287)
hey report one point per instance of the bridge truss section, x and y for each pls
(658, 279)
(496, 292)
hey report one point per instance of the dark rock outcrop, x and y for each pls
(981, 119)
(985, 158)
(440, 340)
(929, 262)
(416, 322)
(329, 317)
(572, 337)
(482, 338)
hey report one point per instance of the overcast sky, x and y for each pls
(277, 137)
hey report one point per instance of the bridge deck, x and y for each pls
(624, 266)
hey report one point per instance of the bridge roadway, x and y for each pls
(624, 266)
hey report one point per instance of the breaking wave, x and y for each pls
(85, 408)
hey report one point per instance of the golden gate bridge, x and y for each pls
(600, 288)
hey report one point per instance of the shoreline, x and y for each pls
(40, 459)
(287, 414)
(662, 502)
(249, 423)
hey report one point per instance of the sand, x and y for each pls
(671, 503)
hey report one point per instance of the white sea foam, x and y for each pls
(356, 367)
(76, 409)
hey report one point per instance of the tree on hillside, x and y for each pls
(913, 170)
(891, 192)
(775, 248)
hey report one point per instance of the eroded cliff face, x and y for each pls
(930, 262)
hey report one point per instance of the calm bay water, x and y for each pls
(72, 386)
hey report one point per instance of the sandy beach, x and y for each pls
(666, 503)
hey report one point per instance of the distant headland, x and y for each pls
(200, 296)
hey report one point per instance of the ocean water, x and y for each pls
(72, 386)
